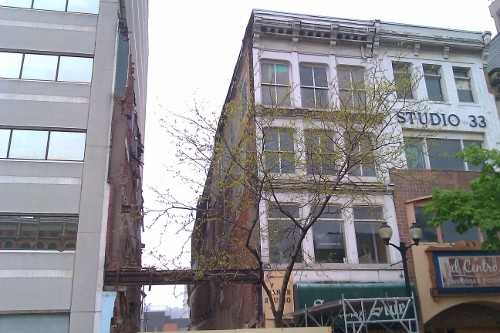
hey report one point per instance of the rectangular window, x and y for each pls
(320, 152)
(328, 236)
(414, 153)
(352, 92)
(46, 67)
(39, 67)
(440, 154)
(282, 233)
(78, 6)
(402, 80)
(22, 232)
(445, 233)
(276, 87)
(371, 247)
(313, 87)
(432, 76)
(75, 69)
(463, 84)
(279, 156)
(11, 65)
(42, 145)
(361, 153)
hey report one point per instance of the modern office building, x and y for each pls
(303, 89)
(72, 115)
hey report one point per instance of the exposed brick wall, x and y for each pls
(413, 184)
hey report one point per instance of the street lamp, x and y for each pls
(385, 233)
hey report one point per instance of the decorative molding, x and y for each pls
(446, 52)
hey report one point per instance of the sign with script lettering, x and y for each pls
(467, 272)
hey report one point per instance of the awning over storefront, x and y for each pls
(309, 295)
(352, 307)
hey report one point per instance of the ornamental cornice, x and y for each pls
(370, 33)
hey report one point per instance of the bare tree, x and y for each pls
(262, 164)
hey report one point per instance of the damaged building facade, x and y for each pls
(73, 95)
(302, 81)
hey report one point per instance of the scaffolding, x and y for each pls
(394, 314)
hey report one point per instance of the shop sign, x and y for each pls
(274, 281)
(439, 119)
(467, 272)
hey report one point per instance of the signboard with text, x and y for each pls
(467, 272)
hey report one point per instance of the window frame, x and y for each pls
(316, 88)
(401, 72)
(67, 5)
(279, 163)
(437, 77)
(468, 79)
(273, 87)
(377, 243)
(47, 149)
(425, 151)
(352, 89)
(55, 69)
(65, 241)
(358, 170)
(420, 202)
(323, 159)
(285, 223)
(330, 221)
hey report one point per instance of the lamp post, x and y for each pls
(385, 233)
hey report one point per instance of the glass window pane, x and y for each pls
(39, 67)
(371, 247)
(320, 79)
(4, 142)
(31, 323)
(306, 78)
(271, 160)
(307, 96)
(328, 242)
(75, 69)
(344, 77)
(442, 154)
(358, 78)
(66, 146)
(283, 96)
(402, 80)
(282, 76)
(293, 210)
(28, 144)
(429, 233)
(268, 73)
(16, 3)
(414, 152)
(450, 235)
(268, 95)
(287, 163)
(434, 92)
(271, 139)
(470, 166)
(83, 6)
(465, 96)
(322, 98)
(368, 213)
(59, 5)
(286, 140)
(10, 65)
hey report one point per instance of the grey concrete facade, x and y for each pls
(68, 282)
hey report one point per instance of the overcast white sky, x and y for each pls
(193, 47)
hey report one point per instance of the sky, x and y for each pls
(193, 48)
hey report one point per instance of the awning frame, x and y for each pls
(361, 312)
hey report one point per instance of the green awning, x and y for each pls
(308, 295)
